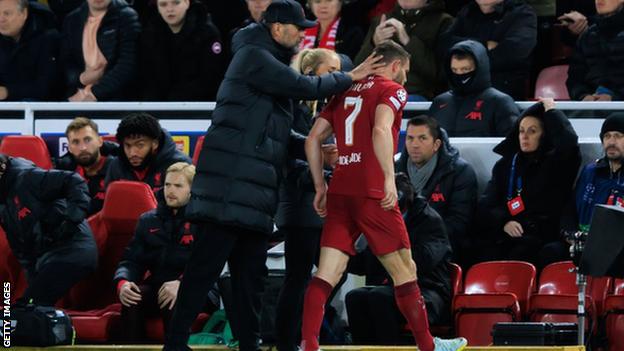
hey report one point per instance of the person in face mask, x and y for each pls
(472, 108)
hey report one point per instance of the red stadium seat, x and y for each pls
(557, 296)
(456, 288)
(92, 302)
(496, 291)
(10, 270)
(109, 137)
(614, 320)
(551, 82)
(30, 147)
(198, 146)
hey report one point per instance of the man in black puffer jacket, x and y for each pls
(29, 48)
(43, 215)
(596, 70)
(98, 78)
(240, 167)
(472, 108)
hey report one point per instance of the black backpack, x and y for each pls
(33, 325)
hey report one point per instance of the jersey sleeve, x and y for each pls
(395, 97)
(328, 111)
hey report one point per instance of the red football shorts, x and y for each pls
(350, 216)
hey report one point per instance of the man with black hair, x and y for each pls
(89, 156)
(472, 108)
(43, 214)
(148, 150)
(438, 173)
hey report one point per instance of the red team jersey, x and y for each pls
(352, 117)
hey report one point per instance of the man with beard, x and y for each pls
(602, 181)
(89, 156)
(148, 151)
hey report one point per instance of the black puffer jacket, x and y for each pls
(33, 205)
(513, 25)
(477, 110)
(598, 59)
(117, 38)
(547, 179)
(184, 66)
(451, 191)
(29, 68)
(154, 176)
(241, 163)
(161, 244)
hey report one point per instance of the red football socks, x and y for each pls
(313, 310)
(412, 306)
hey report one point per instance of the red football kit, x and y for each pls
(357, 184)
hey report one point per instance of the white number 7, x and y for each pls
(350, 121)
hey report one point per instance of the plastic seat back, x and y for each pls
(198, 146)
(551, 82)
(30, 147)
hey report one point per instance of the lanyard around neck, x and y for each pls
(512, 175)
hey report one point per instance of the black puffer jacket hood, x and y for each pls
(257, 34)
(482, 78)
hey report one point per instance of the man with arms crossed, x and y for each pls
(363, 197)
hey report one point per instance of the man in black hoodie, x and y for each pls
(148, 151)
(440, 175)
(43, 215)
(29, 48)
(472, 108)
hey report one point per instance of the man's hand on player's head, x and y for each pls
(390, 198)
(372, 65)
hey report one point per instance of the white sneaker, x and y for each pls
(456, 344)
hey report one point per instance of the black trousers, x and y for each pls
(132, 326)
(375, 319)
(245, 252)
(52, 281)
(301, 252)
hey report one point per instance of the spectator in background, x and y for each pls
(162, 245)
(575, 16)
(374, 318)
(88, 156)
(508, 29)
(472, 108)
(181, 56)
(29, 49)
(416, 25)
(596, 70)
(98, 51)
(62, 8)
(43, 214)
(148, 151)
(255, 8)
(332, 31)
(520, 210)
(440, 175)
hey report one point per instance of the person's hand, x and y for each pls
(602, 97)
(168, 293)
(383, 31)
(575, 21)
(4, 93)
(330, 155)
(513, 229)
(589, 97)
(549, 103)
(371, 65)
(129, 294)
(91, 76)
(320, 201)
(491, 44)
(399, 30)
(391, 196)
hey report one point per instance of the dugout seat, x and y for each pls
(30, 147)
(198, 146)
(495, 291)
(551, 83)
(614, 316)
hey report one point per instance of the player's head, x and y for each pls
(315, 62)
(422, 139)
(178, 184)
(397, 60)
(84, 141)
(139, 134)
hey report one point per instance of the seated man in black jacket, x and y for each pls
(148, 150)
(43, 215)
(89, 156)
(161, 246)
(374, 317)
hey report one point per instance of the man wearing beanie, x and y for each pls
(602, 181)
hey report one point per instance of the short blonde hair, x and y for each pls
(309, 60)
(187, 169)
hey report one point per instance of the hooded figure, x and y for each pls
(472, 108)
(520, 211)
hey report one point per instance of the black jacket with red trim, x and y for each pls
(161, 244)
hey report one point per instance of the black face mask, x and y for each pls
(461, 82)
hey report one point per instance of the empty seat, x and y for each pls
(614, 319)
(551, 83)
(30, 147)
(495, 291)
